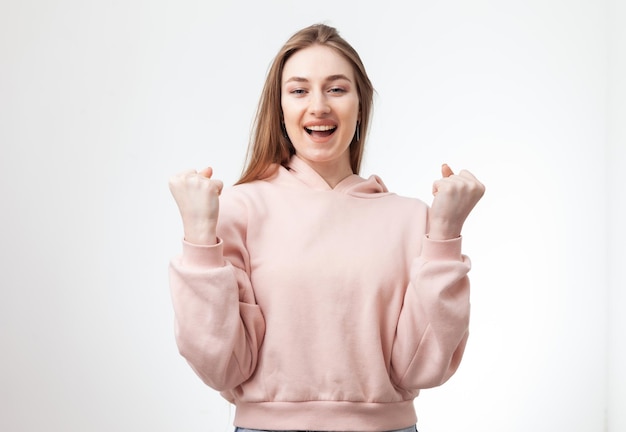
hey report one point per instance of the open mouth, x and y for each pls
(320, 131)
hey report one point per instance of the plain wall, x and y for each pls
(100, 102)
(616, 200)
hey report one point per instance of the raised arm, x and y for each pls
(434, 322)
(219, 327)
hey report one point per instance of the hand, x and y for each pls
(454, 198)
(197, 197)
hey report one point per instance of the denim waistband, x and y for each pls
(238, 429)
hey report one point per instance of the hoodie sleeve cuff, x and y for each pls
(442, 249)
(202, 255)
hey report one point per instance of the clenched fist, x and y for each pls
(197, 197)
(455, 195)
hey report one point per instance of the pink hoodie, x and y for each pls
(320, 308)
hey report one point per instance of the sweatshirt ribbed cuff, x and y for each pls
(204, 256)
(441, 249)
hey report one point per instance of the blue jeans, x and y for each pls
(238, 429)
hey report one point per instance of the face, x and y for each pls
(320, 106)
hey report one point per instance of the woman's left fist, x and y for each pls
(455, 195)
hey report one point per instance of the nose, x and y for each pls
(319, 104)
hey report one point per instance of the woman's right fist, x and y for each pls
(197, 197)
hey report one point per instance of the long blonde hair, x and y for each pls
(269, 146)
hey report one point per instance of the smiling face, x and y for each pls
(320, 105)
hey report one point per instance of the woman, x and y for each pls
(320, 301)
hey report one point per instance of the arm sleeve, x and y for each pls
(218, 325)
(434, 321)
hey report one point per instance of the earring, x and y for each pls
(358, 137)
(284, 130)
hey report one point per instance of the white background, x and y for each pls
(100, 102)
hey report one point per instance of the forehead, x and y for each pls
(317, 62)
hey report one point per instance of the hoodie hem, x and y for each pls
(325, 415)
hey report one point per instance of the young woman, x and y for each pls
(318, 300)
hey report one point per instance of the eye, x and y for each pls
(337, 90)
(297, 91)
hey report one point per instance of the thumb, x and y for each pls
(206, 172)
(446, 171)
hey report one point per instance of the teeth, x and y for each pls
(321, 128)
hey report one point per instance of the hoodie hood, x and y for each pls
(372, 187)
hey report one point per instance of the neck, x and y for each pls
(333, 172)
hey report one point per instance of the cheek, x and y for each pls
(352, 111)
(290, 112)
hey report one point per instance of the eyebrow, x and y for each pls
(328, 78)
